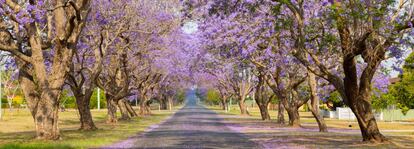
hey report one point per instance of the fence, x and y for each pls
(347, 114)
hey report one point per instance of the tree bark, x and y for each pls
(43, 103)
(280, 113)
(170, 103)
(243, 108)
(111, 106)
(46, 121)
(261, 96)
(224, 105)
(366, 121)
(131, 110)
(86, 120)
(163, 104)
(294, 119)
(264, 112)
(314, 103)
(358, 97)
(123, 109)
(144, 109)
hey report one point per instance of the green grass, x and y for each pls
(17, 130)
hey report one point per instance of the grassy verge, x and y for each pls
(308, 120)
(16, 130)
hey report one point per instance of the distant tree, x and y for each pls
(401, 93)
(212, 97)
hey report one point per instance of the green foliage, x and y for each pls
(212, 97)
(335, 99)
(3, 102)
(180, 96)
(94, 99)
(402, 93)
(67, 100)
(382, 101)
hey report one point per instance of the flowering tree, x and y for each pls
(358, 39)
(42, 37)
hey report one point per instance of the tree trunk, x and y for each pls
(131, 111)
(143, 107)
(366, 121)
(293, 113)
(46, 121)
(264, 112)
(243, 108)
(314, 103)
(223, 103)
(170, 103)
(280, 113)
(86, 120)
(111, 105)
(318, 117)
(163, 103)
(123, 109)
(43, 104)
(358, 97)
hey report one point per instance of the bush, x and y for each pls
(212, 97)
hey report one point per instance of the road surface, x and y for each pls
(193, 126)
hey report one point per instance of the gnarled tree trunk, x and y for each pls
(123, 109)
(264, 112)
(111, 106)
(86, 120)
(144, 109)
(131, 110)
(358, 97)
(293, 113)
(261, 96)
(366, 120)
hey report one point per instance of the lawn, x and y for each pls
(17, 130)
(340, 135)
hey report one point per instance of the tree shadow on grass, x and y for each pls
(324, 140)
